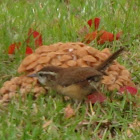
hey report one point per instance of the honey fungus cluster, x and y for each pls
(20, 86)
(64, 55)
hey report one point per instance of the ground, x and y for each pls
(60, 21)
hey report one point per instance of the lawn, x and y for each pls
(60, 21)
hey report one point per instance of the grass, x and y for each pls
(60, 22)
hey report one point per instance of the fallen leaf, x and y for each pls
(13, 47)
(96, 97)
(69, 112)
(131, 90)
(106, 36)
(133, 126)
(96, 23)
(37, 40)
(89, 22)
(28, 50)
(101, 36)
(90, 37)
(37, 37)
(46, 124)
(129, 133)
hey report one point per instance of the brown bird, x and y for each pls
(75, 82)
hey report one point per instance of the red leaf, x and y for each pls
(35, 34)
(118, 35)
(29, 50)
(12, 47)
(96, 23)
(37, 37)
(102, 36)
(90, 37)
(131, 90)
(38, 40)
(96, 97)
(90, 22)
(106, 36)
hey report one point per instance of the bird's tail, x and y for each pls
(104, 65)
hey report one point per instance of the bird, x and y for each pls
(74, 82)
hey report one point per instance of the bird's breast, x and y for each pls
(74, 91)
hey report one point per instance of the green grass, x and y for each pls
(60, 22)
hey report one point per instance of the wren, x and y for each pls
(75, 82)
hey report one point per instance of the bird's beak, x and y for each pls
(32, 75)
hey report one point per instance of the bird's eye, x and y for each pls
(40, 74)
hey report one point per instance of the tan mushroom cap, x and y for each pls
(89, 58)
(29, 59)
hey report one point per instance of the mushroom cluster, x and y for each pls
(22, 85)
(64, 55)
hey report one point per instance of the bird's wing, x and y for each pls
(72, 76)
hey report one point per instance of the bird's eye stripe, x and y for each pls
(47, 73)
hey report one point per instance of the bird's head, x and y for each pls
(46, 74)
